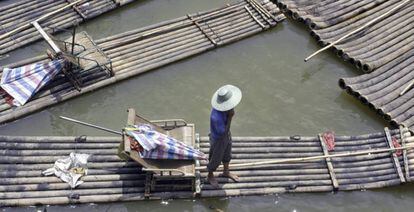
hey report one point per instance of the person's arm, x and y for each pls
(230, 115)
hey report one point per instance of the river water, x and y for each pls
(282, 95)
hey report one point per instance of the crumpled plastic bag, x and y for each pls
(70, 169)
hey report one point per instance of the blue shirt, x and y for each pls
(218, 123)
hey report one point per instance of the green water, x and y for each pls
(282, 95)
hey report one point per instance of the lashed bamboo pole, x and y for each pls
(370, 174)
(39, 19)
(384, 47)
(332, 33)
(32, 35)
(18, 17)
(95, 8)
(342, 13)
(150, 64)
(390, 25)
(319, 157)
(66, 193)
(359, 29)
(16, 5)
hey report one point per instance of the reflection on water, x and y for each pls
(282, 95)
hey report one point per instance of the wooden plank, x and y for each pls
(394, 155)
(46, 37)
(329, 163)
(405, 158)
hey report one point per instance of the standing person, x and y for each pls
(223, 102)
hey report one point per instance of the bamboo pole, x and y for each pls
(320, 157)
(23, 182)
(378, 31)
(98, 7)
(407, 88)
(39, 19)
(359, 29)
(90, 125)
(334, 32)
(230, 35)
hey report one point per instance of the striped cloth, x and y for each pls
(159, 146)
(23, 82)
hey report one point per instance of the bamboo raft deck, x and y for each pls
(109, 179)
(138, 51)
(385, 48)
(23, 12)
(384, 41)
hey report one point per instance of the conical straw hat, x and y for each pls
(226, 98)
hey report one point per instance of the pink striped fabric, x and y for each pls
(22, 83)
(159, 146)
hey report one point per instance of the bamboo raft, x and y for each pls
(385, 46)
(15, 19)
(381, 91)
(137, 51)
(109, 179)
(390, 38)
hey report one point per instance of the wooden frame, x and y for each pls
(162, 168)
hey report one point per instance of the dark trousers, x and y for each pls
(220, 151)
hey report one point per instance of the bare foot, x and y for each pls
(234, 177)
(212, 180)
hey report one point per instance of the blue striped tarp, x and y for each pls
(23, 82)
(159, 146)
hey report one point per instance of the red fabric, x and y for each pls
(9, 99)
(396, 145)
(135, 145)
(329, 138)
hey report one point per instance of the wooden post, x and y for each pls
(46, 37)
(329, 163)
(394, 155)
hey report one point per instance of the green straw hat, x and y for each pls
(226, 98)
